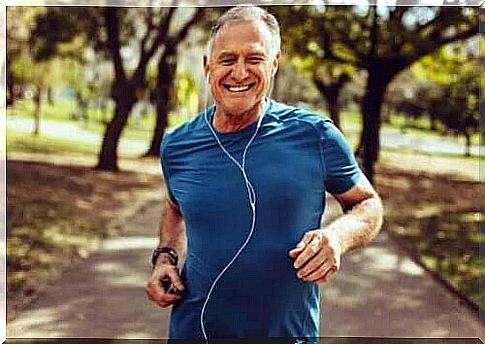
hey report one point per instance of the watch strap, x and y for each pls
(170, 251)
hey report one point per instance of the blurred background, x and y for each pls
(91, 91)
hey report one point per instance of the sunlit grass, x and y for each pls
(18, 141)
(60, 110)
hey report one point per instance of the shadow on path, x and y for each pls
(379, 292)
(103, 296)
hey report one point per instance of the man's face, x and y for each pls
(241, 66)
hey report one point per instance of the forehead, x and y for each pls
(242, 35)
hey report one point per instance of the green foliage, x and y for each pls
(304, 42)
(447, 87)
(56, 34)
(186, 92)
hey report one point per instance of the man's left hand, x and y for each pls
(317, 256)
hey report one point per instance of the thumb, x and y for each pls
(307, 238)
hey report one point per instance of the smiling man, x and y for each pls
(246, 182)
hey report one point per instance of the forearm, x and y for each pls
(165, 286)
(359, 225)
(172, 232)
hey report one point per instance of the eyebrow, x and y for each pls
(224, 54)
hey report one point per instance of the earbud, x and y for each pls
(273, 72)
(207, 79)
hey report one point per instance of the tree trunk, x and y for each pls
(468, 143)
(108, 156)
(11, 95)
(166, 74)
(331, 92)
(38, 102)
(11, 84)
(432, 121)
(377, 83)
(333, 106)
(50, 95)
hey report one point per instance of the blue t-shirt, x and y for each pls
(295, 157)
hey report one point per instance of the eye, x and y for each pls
(255, 59)
(227, 61)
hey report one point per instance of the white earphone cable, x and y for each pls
(252, 202)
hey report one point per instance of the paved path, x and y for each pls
(379, 292)
(394, 138)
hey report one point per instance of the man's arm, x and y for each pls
(317, 256)
(171, 235)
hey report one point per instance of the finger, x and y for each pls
(154, 289)
(330, 272)
(168, 300)
(326, 255)
(307, 238)
(323, 270)
(174, 277)
(312, 265)
(310, 251)
(158, 295)
(296, 251)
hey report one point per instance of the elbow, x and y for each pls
(378, 214)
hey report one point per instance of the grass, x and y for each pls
(138, 127)
(59, 111)
(18, 141)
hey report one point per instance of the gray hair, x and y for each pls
(247, 12)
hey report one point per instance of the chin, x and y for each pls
(239, 106)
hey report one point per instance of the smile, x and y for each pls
(239, 88)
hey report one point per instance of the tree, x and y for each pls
(19, 25)
(114, 33)
(293, 84)
(383, 41)
(25, 71)
(330, 83)
(167, 67)
(453, 92)
(329, 77)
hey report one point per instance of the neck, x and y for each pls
(226, 122)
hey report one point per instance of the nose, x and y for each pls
(240, 71)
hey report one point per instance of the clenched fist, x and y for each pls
(317, 256)
(168, 274)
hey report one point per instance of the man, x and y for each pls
(248, 177)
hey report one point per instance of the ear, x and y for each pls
(276, 62)
(205, 65)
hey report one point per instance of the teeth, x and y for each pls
(238, 88)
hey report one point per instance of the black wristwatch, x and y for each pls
(174, 258)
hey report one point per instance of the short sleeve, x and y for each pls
(341, 169)
(164, 160)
